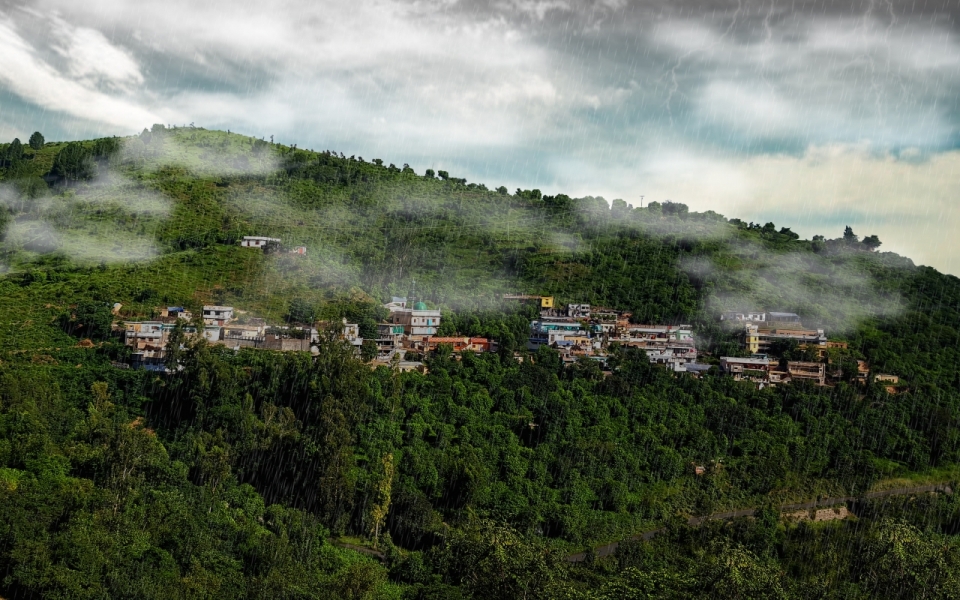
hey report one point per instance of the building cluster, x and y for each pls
(576, 331)
(148, 339)
(760, 330)
(759, 334)
(580, 330)
(412, 327)
(765, 371)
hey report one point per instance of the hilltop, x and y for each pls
(174, 203)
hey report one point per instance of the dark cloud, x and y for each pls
(671, 99)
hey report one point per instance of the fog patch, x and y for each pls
(108, 219)
(831, 291)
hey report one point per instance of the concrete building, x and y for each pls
(146, 338)
(672, 333)
(389, 338)
(757, 340)
(548, 332)
(753, 369)
(458, 344)
(217, 315)
(807, 371)
(749, 317)
(212, 333)
(396, 303)
(176, 312)
(246, 335)
(674, 359)
(418, 321)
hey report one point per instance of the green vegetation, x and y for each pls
(233, 475)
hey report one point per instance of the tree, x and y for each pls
(849, 236)
(89, 319)
(502, 190)
(36, 140)
(73, 162)
(430, 174)
(15, 151)
(492, 560)
(381, 504)
(872, 242)
(786, 231)
(301, 311)
(368, 350)
(675, 208)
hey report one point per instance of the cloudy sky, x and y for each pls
(812, 114)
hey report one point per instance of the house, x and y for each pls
(146, 338)
(217, 315)
(245, 335)
(479, 345)
(863, 370)
(751, 369)
(458, 344)
(396, 303)
(662, 333)
(675, 359)
(176, 312)
(253, 241)
(389, 337)
(808, 371)
(299, 251)
(886, 378)
(546, 331)
(752, 317)
(351, 333)
(757, 340)
(578, 311)
(418, 321)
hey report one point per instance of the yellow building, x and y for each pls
(751, 339)
(546, 301)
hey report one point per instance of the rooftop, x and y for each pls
(745, 361)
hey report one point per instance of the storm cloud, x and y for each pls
(750, 109)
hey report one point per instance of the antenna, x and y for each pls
(641, 201)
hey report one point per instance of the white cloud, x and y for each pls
(33, 79)
(574, 97)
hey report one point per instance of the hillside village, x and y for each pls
(575, 331)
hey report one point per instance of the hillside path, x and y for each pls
(608, 549)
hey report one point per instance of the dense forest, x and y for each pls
(294, 475)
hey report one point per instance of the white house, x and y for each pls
(254, 241)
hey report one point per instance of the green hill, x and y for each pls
(231, 476)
